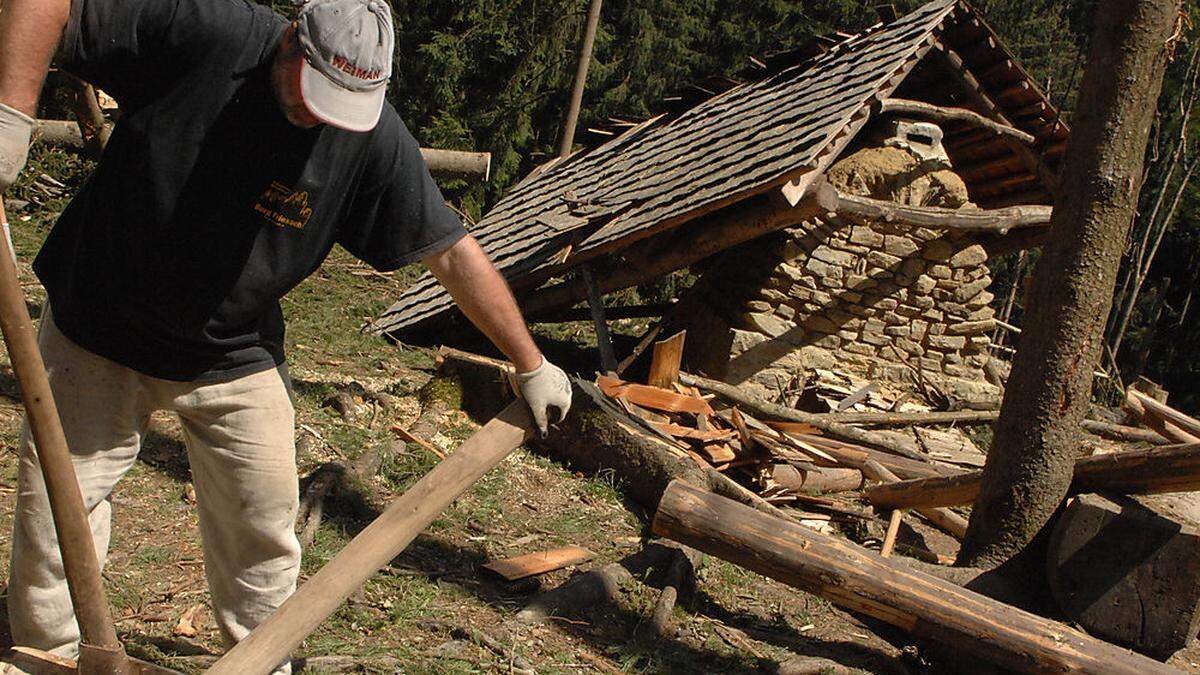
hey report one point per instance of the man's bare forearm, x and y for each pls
(30, 31)
(484, 297)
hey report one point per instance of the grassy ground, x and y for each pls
(404, 619)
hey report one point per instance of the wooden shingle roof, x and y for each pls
(665, 172)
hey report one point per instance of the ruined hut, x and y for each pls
(838, 212)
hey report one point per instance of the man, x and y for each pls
(247, 148)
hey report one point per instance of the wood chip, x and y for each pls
(541, 562)
(186, 627)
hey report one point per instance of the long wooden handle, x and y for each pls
(66, 502)
(274, 639)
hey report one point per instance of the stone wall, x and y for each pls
(876, 299)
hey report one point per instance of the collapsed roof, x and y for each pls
(665, 174)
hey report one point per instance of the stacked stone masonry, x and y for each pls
(872, 298)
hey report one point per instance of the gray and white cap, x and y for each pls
(347, 60)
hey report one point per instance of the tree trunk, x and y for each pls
(1031, 462)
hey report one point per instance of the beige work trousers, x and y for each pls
(241, 448)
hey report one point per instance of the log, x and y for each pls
(1128, 571)
(1104, 429)
(474, 166)
(933, 217)
(821, 480)
(949, 521)
(274, 639)
(1168, 468)
(945, 114)
(1162, 418)
(923, 605)
(772, 410)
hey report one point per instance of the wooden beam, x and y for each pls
(681, 247)
(945, 114)
(1172, 468)
(978, 94)
(981, 220)
(947, 520)
(846, 575)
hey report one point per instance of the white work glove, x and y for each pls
(543, 388)
(16, 128)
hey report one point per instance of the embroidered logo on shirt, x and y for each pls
(282, 206)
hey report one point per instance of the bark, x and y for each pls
(1030, 466)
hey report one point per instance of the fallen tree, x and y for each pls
(847, 576)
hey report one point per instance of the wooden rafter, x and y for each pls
(946, 114)
(979, 95)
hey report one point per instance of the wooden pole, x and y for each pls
(847, 576)
(949, 521)
(272, 641)
(62, 487)
(567, 140)
(1171, 468)
(608, 357)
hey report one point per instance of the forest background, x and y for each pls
(494, 76)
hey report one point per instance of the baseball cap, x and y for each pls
(347, 61)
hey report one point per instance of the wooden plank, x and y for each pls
(925, 606)
(664, 365)
(532, 564)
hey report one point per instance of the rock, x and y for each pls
(883, 260)
(826, 341)
(934, 315)
(832, 281)
(850, 297)
(979, 301)
(919, 328)
(971, 327)
(898, 331)
(792, 272)
(835, 257)
(947, 341)
(773, 296)
(886, 304)
(874, 325)
(866, 236)
(759, 306)
(924, 284)
(939, 271)
(899, 246)
(860, 283)
(969, 257)
(860, 348)
(971, 289)
(909, 346)
(768, 323)
(786, 312)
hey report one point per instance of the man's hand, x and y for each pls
(543, 388)
(16, 128)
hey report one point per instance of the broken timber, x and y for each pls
(853, 579)
(1171, 468)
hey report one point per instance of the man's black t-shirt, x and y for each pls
(208, 205)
